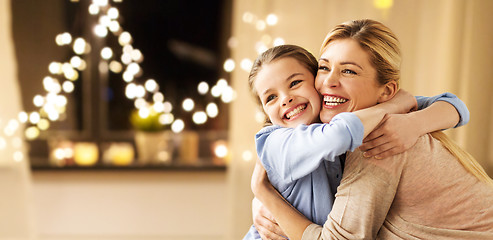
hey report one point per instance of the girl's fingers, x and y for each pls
(368, 145)
(377, 151)
(373, 135)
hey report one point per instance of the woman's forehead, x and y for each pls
(344, 50)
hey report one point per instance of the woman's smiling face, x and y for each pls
(287, 92)
(346, 79)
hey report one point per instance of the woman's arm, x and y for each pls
(362, 202)
(399, 132)
(291, 221)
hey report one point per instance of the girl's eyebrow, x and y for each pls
(287, 79)
(293, 75)
(343, 63)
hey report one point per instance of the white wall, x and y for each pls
(133, 205)
(16, 221)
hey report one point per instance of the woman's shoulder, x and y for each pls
(422, 151)
(425, 145)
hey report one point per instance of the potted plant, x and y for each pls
(152, 138)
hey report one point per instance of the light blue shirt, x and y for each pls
(304, 163)
(424, 102)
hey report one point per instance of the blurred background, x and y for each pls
(133, 119)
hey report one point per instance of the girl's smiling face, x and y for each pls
(346, 79)
(287, 92)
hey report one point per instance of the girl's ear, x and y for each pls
(389, 90)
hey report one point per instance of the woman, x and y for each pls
(283, 81)
(434, 190)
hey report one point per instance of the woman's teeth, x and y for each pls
(295, 111)
(334, 101)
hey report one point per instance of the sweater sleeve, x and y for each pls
(424, 102)
(292, 153)
(362, 201)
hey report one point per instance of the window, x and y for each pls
(183, 43)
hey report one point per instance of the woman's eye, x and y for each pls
(348, 71)
(323, 68)
(294, 83)
(270, 98)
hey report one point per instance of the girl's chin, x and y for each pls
(295, 122)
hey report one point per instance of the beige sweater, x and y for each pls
(424, 193)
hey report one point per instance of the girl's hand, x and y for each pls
(265, 223)
(404, 101)
(396, 134)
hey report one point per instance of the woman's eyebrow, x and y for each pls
(342, 63)
(351, 63)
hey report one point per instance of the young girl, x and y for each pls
(282, 78)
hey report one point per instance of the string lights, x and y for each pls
(51, 105)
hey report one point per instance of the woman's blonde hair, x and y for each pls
(465, 158)
(377, 40)
(383, 47)
(303, 56)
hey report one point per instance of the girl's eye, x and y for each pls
(294, 83)
(270, 98)
(348, 71)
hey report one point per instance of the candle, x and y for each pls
(189, 147)
(121, 154)
(86, 153)
(220, 152)
(61, 152)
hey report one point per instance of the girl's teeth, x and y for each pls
(295, 111)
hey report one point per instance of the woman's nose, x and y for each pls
(331, 80)
(287, 100)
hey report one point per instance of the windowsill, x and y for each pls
(200, 165)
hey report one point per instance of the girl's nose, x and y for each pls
(287, 100)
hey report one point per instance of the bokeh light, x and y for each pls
(212, 110)
(188, 104)
(203, 87)
(199, 117)
(177, 126)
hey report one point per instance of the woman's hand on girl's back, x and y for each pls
(265, 223)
